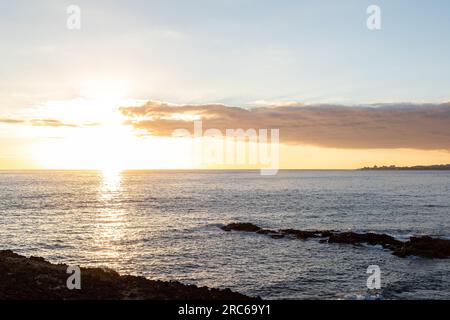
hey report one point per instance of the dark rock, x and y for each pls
(425, 246)
(241, 227)
(272, 233)
(23, 278)
(326, 233)
(300, 234)
(265, 231)
(369, 238)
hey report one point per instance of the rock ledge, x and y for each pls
(424, 246)
(34, 278)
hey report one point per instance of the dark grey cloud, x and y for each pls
(396, 125)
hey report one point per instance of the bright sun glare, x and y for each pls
(102, 145)
(98, 139)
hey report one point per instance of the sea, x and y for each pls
(165, 225)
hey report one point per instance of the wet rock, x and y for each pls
(300, 234)
(23, 278)
(265, 231)
(369, 238)
(425, 246)
(272, 233)
(241, 227)
(326, 233)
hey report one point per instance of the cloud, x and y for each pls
(396, 125)
(11, 121)
(50, 123)
(46, 123)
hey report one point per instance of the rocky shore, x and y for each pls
(36, 279)
(424, 246)
(438, 167)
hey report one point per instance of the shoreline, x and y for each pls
(34, 278)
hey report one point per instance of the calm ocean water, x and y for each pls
(164, 225)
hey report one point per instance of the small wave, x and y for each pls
(434, 206)
(362, 296)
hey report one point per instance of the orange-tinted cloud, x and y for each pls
(11, 121)
(416, 126)
(45, 123)
(50, 123)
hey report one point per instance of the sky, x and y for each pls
(341, 95)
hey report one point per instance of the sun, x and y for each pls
(100, 139)
(95, 139)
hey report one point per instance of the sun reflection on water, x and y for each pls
(111, 220)
(111, 184)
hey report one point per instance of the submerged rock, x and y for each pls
(425, 246)
(36, 279)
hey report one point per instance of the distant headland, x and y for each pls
(432, 167)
